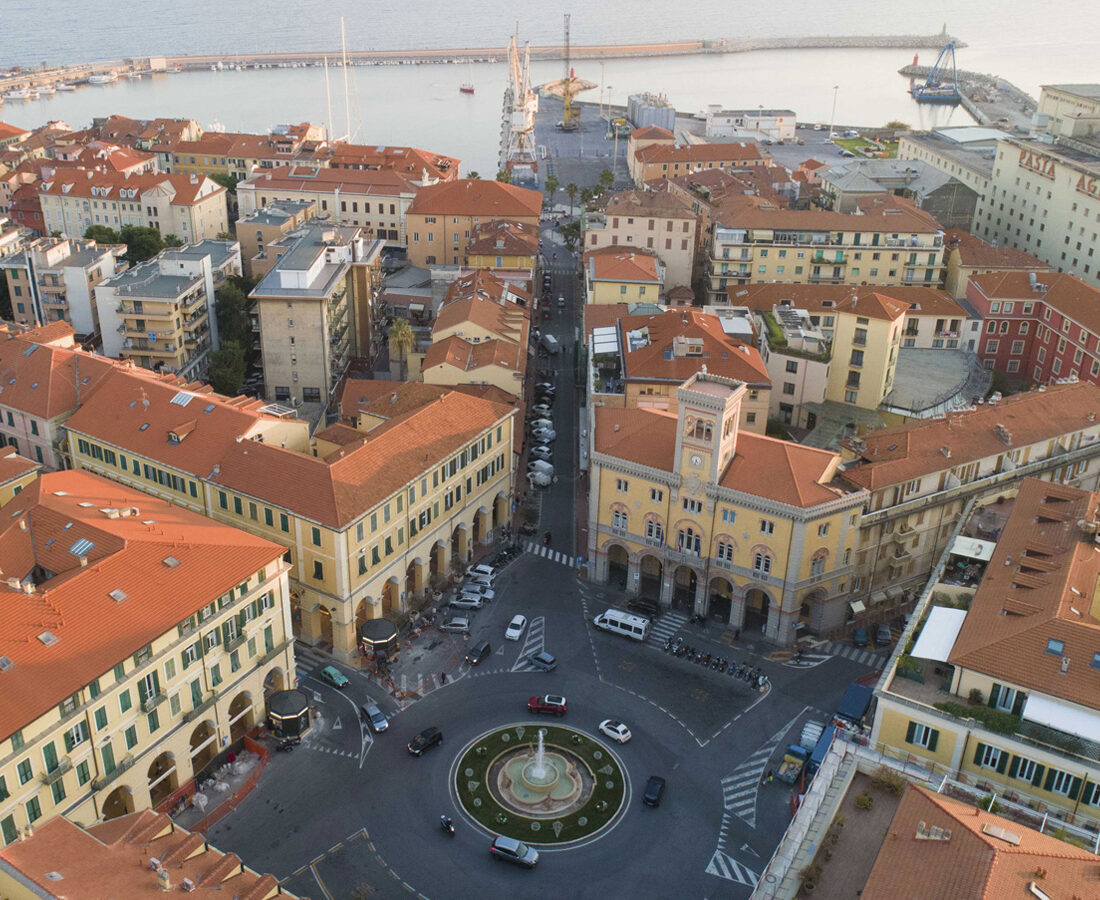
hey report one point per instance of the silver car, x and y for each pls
(467, 601)
(456, 625)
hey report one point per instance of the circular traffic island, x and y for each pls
(540, 784)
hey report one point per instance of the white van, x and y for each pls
(618, 622)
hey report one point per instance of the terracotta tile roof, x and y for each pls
(8, 130)
(765, 467)
(47, 381)
(658, 360)
(504, 237)
(896, 455)
(409, 161)
(1036, 588)
(659, 203)
(505, 320)
(59, 333)
(714, 186)
(112, 860)
(1070, 296)
(812, 164)
(384, 399)
(487, 285)
(185, 189)
(971, 862)
(681, 292)
(126, 554)
(477, 197)
(973, 251)
(490, 392)
(887, 303)
(466, 356)
(385, 182)
(335, 491)
(649, 132)
(878, 212)
(733, 152)
(616, 264)
(13, 466)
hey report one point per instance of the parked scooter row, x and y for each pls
(506, 555)
(751, 674)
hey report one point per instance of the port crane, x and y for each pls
(567, 88)
(942, 83)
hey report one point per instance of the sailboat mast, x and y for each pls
(347, 100)
(328, 104)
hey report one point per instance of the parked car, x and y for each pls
(332, 675)
(883, 638)
(541, 452)
(515, 628)
(477, 581)
(541, 423)
(539, 465)
(425, 740)
(544, 435)
(545, 384)
(456, 625)
(561, 302)
(545, 661)
(467, 601)
(481, 569)
(541, 409)
(374, 717)
(478, 653)
(474, 589)
(860, 637)
(510, 849)
(540, 479)
(654, 789)
(615, 730)
(551, 704)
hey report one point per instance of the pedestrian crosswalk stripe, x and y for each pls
(545, 552)
(533, 643)
(725, 866)
(856, 654)
(740, 788)
(664, 627)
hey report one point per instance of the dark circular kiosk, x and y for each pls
(288, 713)
(378, 638)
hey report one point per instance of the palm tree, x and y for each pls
(587, 195)
(504, 176)
(607, 178)
(572, 190)
(402, 340)
(473, 176)
(552, 185)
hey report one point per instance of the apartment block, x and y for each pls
(161, 313)
(656, 221)
(888, 241)
(370, 517)
(1040, 326)
(54, 280)
(693, 512)
(15, 473)
(505, 246)
(164, 633)
(443, 217)
(999, 690)
(968, 256)
(257, 229)
(612, 275)
(314, 310)
(662, 160)
(921, 476)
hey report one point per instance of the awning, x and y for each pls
(416, 307)
(877, 597)
(856, 606)
(1064, 716)
(937, 638)
(893, 592)
(973, 548)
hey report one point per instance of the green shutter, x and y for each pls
(910, 731)
(1049, 783)
(1074, 788)
(933, 740)
(978, 751)
(1037, 778)
(994, 693)
(1002, 763)
(1018, 704)
(1014, 768)
(143, 694)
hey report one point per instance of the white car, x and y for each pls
(481, 570)
(561, 302)
(477, 581)
(538, 479)
(538, 465)
(541, 452)
(615, 730)
(470, 589)
(515, 628)
(544, 435)
(541, 410)
(467, 601)
(536, 424)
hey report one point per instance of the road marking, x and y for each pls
(320, 883)
(725, 866)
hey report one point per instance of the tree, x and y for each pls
(571, 190)
(229, 182)
(504, 176)
(402, 340)
(607, 178)
(231, 309)
(552, 185)
(141, 242)
(474, 176)
(587, 196)
(896, 125)
(101, 234)
(171, 240)
(225, 236)
(571, 233)
(227, 367)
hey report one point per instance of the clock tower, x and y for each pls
(706, 439)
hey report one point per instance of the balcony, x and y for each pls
(152, 702)
(236, 642)
(58, 771)
(826, 279)
(126, 763)
(157, 311)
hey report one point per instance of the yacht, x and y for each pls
(106, 78)
(66, 87)
(24, 94)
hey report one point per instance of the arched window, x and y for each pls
(654, 529)
(817, 564)
(761, 562)
(689, 541)
(702, 430)
(725, 548)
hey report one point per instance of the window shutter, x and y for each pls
(1037, 778)
(1049, 783)
(910, 731)
(184, 662)
(143, 694)
(1002, 762)
(994, 693)
(978, 751)
(1018, 705)
(156, 684)
(1014, 768)
(225, 631)
(1075, 789)
(933, 740)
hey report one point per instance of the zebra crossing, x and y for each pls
(545, 552)
(864, 657)
(533, 643)
(664, 627)
(725, 866)
(307, 661)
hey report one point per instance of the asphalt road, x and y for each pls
(352, 814)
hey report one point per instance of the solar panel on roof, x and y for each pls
(143, 427)
(30, 349)
(182, 398)
(81, 547)
(209, 408)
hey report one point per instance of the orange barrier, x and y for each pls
(245, 789)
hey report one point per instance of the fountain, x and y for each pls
(539, 781)
(536, 771)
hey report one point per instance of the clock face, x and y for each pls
(696, 460)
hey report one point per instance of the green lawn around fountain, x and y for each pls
(608, 788)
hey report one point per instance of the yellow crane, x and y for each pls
(567, 88)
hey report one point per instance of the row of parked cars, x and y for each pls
(540, 469)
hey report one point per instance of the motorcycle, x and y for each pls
(706, 658)
(731, 668)
(546, 539)
(287, 744)
(668, 645)
(447, 825)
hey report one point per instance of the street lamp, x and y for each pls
(832, 115)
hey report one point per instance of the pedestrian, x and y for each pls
(442, 677)
(770, 777)
(737, 634)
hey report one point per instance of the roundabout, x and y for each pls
(542, 784)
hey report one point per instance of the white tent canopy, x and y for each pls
(937, 638)
(1065, 717)
(972, 548)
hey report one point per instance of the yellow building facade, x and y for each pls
(691, 511)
